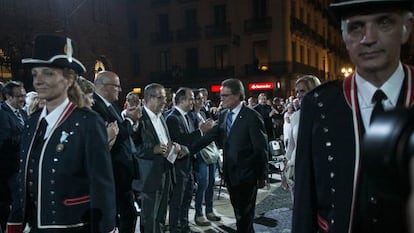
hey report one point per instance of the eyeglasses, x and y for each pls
(161, 97)
(114, 85)
(19, 96)
(225, 95)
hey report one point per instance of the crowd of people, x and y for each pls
(71, 161)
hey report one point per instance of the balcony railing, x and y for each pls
(217, 31)
(189, 34)
(258, 25)
(212, 72)
(162, 77)
(304, 30)
(162, 37)
(186, 1)
(157, 3)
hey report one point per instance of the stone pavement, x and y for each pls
(273, 211)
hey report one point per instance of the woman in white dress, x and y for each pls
(303, 85)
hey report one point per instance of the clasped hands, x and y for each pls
(206, 125)
(164, 149)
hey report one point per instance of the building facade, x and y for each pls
(201, 42)
(183, 42)
(103, 31)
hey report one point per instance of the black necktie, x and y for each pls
(40, 133)
(377, 99)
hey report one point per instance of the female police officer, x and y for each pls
(66, 182)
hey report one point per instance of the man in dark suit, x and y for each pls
(240, 132)
(12, 122)
(182, 131)
(156, 172)
(123, 152)
(266, 111)
(330, 167)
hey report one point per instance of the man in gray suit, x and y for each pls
(156, 172)
(241, 133)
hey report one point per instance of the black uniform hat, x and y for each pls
(346, 7)
(54, 51)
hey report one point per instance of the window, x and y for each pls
(133, 29)
(221, 56)
(259, 8)
(100, 10)
(136, 63)
(191, 59)
(220, 17)
(163, 23)
(301, 14)
(317, 60)
(302, 54)
(5, 66)
(260, 53)
(309, 53)
(293, 51)
(191, 19)
(165, 61)
(293, 8)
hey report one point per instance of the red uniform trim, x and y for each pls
(323, 224)
(76, 200)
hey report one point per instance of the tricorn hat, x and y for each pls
(344, 7)
(54, 51)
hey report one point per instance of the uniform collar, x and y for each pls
(366, 90)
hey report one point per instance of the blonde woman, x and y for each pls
(303, 86)
(66, 175)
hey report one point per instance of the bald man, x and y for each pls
(107, 89)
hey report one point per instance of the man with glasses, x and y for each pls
(241, 133)
(123, 152)
(12, 122)
(156, 172)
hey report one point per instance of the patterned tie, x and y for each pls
(19, 117)
(229, 121)
(377, 99)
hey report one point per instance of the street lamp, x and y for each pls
(346, 71)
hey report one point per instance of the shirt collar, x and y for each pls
(237, 109)
(11, 107)
(151, 114)
(366, 90)
(180, 111)
(53, 116)
(107, 103)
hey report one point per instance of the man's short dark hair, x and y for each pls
(236, 87)
(7, 90)
(150, 90)
(180, 95)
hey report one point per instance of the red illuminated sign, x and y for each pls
(261, 86)
(215, 88)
